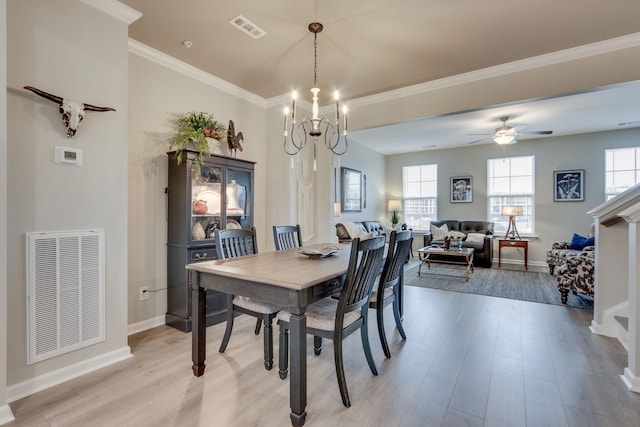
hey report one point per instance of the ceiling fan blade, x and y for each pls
(520, 127)
(485, 134)
(539, 132)
(478, 140)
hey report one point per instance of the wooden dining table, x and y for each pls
(287, 278)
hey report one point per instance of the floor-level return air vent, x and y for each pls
(65, 292)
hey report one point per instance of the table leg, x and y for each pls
(468, 266)
(499, 254)
(526, 257)
(198, 326)
(298, 368)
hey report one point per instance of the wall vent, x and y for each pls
(247, 26)
(65, 292)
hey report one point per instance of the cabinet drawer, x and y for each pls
(203, 254)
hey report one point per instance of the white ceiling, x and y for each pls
(614, 107)
(375, 46)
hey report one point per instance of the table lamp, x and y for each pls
(512, 212)
(394, 206)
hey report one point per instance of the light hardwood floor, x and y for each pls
(469, 360)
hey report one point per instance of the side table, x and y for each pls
(514, 243)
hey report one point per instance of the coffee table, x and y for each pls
(462, 256)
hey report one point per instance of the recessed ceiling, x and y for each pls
(379, 45)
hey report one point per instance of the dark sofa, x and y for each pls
(482, 251)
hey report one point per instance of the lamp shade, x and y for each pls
(511, 211)
(394, 206)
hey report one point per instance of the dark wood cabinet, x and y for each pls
(218, 196)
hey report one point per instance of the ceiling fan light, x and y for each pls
(503, 138)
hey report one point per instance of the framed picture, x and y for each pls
(461, 189)
(351, 190)
(568, 186)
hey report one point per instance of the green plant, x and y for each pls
(395, 218)
(195, 128)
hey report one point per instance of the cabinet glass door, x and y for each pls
(206, 203)
(238, 199)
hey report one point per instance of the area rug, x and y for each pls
(504, 283)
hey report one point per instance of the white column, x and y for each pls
(631, 376)
(5, 412)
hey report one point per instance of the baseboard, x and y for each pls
(145, 324)
(630, 380)
(5, 414)
(609, 326)
(511, 261)
(34, 385)
(602, 329)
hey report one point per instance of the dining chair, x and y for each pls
(390, 283)
(336, 319)
(287, 236)
(233, 243)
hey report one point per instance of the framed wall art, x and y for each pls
(351, 190)
(461, 189)
(568, 185)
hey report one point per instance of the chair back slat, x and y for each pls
(397, 255)
(287, 236)
(233, 243)
(364, 264)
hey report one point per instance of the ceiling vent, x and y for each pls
(247, 26)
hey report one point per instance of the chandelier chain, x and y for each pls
(315, 60)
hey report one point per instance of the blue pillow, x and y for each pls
(578, 242)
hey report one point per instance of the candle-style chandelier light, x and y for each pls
(296, 134)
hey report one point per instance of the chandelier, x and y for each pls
(296, 134)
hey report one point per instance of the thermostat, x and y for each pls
(68, 156)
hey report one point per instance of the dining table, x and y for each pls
(288, 278)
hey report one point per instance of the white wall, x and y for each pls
(73, 50)
(157, 94)
(372, 164)
(5, 412)
(554, 220)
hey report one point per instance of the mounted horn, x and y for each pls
(90, 107)
(72, 111)
(47, 95)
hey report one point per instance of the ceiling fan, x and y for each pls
(504, 134)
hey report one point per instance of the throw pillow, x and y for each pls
(578, 242)
(475, 237)
(439, 233)
(365, 236)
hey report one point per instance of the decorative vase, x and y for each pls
(197, 232)
(215, 146)
(200, 207)
(455, 244)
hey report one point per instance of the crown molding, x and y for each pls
(567, 55)
(116, 9)
(170, 62)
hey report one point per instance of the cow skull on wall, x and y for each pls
(72, 111)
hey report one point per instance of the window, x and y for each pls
(420, 195)
(622, 170)
(511, 183)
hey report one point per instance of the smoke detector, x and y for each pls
(246, 26)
